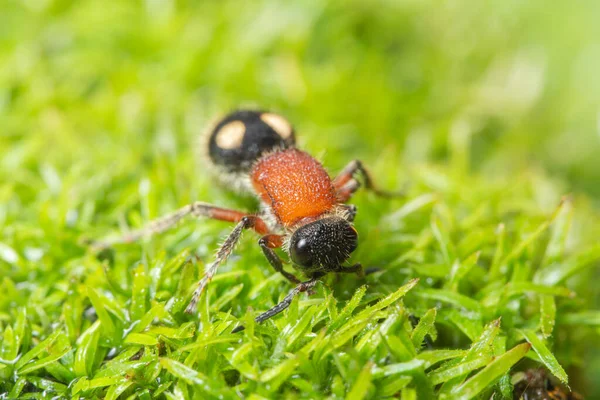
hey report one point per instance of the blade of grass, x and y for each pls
(517, 288)
(484, 378)
(346, 312)
(86, 350)
(108, 326)
(458, 370)
(387, 301)
(141, 338)
(460, 270)
(443, 240)
(405, 368)
(139, 293)
(545, 355)
(44, 345)
(495, 269)
(412, 206)
(8, 350)
(361, 386)
(195, 378)
(547, 314)
(424, 327)
(521, 246)
(447, 296)
(41, 363)
(561, 271)
(481, 350)
(589, 318)
(115, 391)
(560, 231)
(372, 339)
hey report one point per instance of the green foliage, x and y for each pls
(483, 270)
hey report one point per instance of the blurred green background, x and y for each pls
(502, 88)
(520, 77)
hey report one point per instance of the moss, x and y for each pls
(482, 271)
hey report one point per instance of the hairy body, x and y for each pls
(304, 211)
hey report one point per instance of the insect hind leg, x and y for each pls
(346, 187)
(166, 222)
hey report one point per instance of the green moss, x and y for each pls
(101, 106)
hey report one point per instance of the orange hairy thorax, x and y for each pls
(294, 185)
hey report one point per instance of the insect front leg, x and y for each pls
(246, 222)
(285, 303)
(269, 242)
(356, 268)
(350, 211)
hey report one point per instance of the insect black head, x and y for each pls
(324, 244)
(240, 138)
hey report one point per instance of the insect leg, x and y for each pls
(347, 175)
(347, 190)
(356, 268)
(269, 242)
(223, 253)
(285, 303)
(351, 211)
(159, 225)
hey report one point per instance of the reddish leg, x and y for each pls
(345, 186)
(245, 222)
(345, 192)
(197, 209)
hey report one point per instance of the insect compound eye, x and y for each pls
(351, 241)
(301, 252)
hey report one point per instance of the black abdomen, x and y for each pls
(239, 139)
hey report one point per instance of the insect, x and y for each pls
(303, 210)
